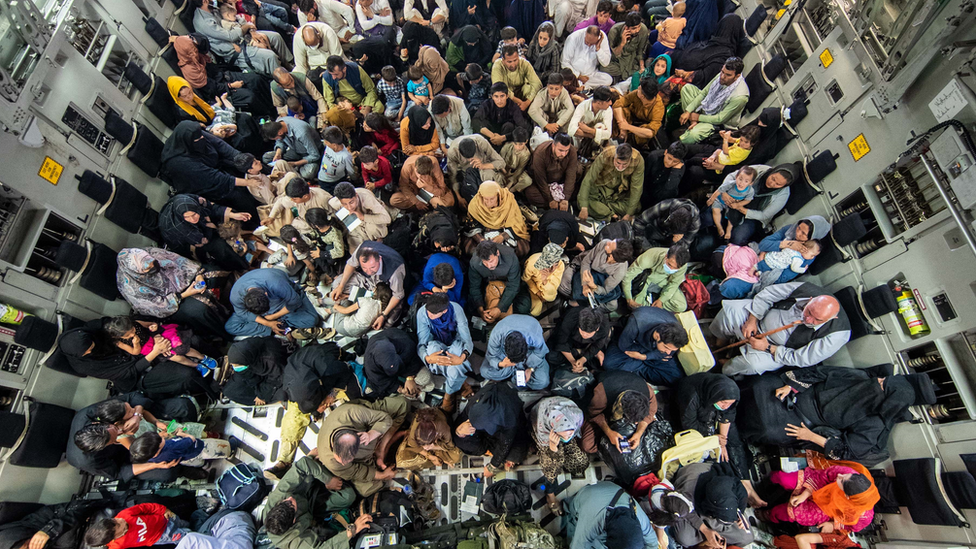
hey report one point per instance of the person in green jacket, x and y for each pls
(665, 268)
(614, 184)
(719, 104)
(300, 503)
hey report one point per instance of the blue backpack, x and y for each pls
(241, 488)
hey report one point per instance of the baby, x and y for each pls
(140, 337)
(230, 21)
(509, 37)
(342, 115)
(739, 190)
(193, 452)
(669, 30)
(248, 248)
(734, 151)
(295, 108)
(788, 258)
(418, 88)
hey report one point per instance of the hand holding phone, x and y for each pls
(624, 446)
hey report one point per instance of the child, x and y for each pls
(192, 452)
(342, 115)
(259, 185)
(669, 30)
(516, 154)
(139, 338)
(735, 151)
(572, 85)
(248, 248)
(376, 171)
(739, 190)
(788, 258)
(328, 247)
(230, 21)
(337, 164)
(476, 86)
(295, 108)
(509, 37)
(294, 256)
(353, 319)
(418, 88)
(394, 96)
(138, 526)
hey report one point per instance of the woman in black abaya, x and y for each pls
(390, 355)
(494, 421)
(257, 364)
(704, 60)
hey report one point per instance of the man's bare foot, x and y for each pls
(755, 501)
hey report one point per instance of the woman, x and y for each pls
(706, 403)
(542, 273)
(257, 364)
(659, 70)
(418, 133)
(373, 53)
(469, 45)
(429, 13)
(846, 413)
(195, 162)
(494, 214)
(525, 16)
(428, 443)
(90, 353)
(544, 52)
(840, 497)
(414, 36)
(437, 71)
(165, 285)
(378, 132)
(556, 423)
(772, 135)
(700, 63)
(476, 13)
(390, 355)
(189, 105)
(814, 227)
(248, 91)
(494, 421)
(116, 422)
(189, 226)
(719, 499)
(702, 16)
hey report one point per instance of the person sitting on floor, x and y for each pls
(662, 271)
(647, 346)
(444, 344)
(517, 349)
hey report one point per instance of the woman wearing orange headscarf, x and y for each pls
(494, 214)
(191, 106)
(840, 497)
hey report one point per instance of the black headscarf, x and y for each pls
(475, 44)
(106, 361)
(771, 139)
(176, 230)
(496, 407)
(201, 41)
(377, 51)
(262, 355)
(185, 141)
(706, 389)
(419, 116)
(706, 59)
(381, 364)
(416, 35)
(763, 193)
(720, 494)
(623, 529)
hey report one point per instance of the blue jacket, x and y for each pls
(529, 327)
(427, 284)
(281, 292)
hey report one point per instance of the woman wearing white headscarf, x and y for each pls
(556, 423)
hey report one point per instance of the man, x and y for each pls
(628, 45)
(664, 270)
(580, 340)
(599, 272)
(313, 44)
(516, 73)
(301, 503)
(554, 171)
(671, 221)
(336, 14)
(231, 45)
(621, 395)
(517, 344)
(821, 328)
(497, 118)
(296, 142)
(374, 218)
(444, 344)
(639, 113)
(295, 84)
(613, 185)
(311, 381)
(471, 160)
(495, 281)
(291, 207)
(355, 437)
(585, 52)
(647, 346)
(592, 122)
(719, 104)
(349, 80)
(370, 264)
(552, 108)
(442, 275)
(451, 118)
(601, 517)
(266, 301)
(421, 175)
(664, 170)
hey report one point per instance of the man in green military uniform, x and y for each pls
(613, 185)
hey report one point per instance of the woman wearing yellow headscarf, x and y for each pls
(493, 213)
(192, 107)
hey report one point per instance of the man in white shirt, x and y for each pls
(451, 118)
(593, 120)
(314, 42)
(585, 51)
(566, 14)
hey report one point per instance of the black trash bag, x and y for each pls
(507, 496)
(643, 459)
(573, 386)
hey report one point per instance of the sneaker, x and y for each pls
(276, 471)
(204, 371)
(303, 334)
(208, 362)
(235, 443)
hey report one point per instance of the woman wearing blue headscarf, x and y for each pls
(660, 70)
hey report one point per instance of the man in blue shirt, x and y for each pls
(296, 143)
(266, 301)
(517, 344)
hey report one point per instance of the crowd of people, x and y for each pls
(364, 193)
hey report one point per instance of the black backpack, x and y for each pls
(507, 496)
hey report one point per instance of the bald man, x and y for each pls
(822, 331)
(313, 44)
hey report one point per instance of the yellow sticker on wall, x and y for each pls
(859, 147)
(50, 171)
(826, 58)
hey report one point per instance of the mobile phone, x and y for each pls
(287, 330)
(520, 378)
(624, 446)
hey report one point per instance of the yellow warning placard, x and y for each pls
(826, 58)
(859, 147)
(50, 170)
